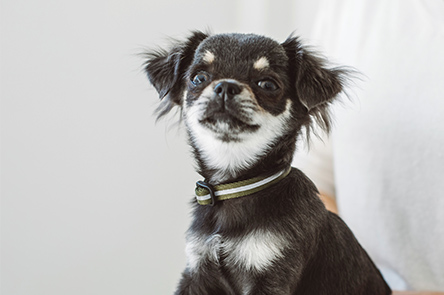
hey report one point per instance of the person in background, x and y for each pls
(382, 170)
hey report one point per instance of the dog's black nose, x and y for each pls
(227, 90)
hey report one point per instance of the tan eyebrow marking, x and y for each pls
(208, 57)
(261, 63)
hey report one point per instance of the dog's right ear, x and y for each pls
(165, 70)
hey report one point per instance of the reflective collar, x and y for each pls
(207, 194)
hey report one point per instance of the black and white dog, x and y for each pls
(259, 225)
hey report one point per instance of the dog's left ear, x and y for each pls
(315, 84)
(165, 70)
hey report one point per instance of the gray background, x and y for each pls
(94, 194)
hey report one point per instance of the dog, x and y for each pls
(259, 226)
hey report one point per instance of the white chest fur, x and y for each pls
(255, 251)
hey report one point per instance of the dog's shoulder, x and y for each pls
(301, 180)
(301, 190)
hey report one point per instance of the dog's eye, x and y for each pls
(268, 85)
(200, 78)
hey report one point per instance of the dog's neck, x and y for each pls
(278, 157)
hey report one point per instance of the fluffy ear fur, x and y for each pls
(165, 70)
(316, 86)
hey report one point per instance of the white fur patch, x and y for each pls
(261, 63)
(208, 57)
(228, 157)
(256, 251)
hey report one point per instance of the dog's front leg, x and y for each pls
(206, 280)
(203, 274)
(268, 286)
(282, 278)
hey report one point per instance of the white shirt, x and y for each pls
(387, 149)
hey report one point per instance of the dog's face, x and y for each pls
(236, 102)
(234, 94)
(241, 95)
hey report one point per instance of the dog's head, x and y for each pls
(243, 97)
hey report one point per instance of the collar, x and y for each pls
(207, 194)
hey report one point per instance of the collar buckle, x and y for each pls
(210, 188)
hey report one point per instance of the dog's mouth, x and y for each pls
(227, 123)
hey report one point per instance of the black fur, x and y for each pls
(324, 257)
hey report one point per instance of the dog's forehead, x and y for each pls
(241, 50)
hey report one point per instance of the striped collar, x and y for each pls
(206, 194)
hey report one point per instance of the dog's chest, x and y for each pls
(256, 250)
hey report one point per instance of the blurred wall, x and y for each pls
(94, 193)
